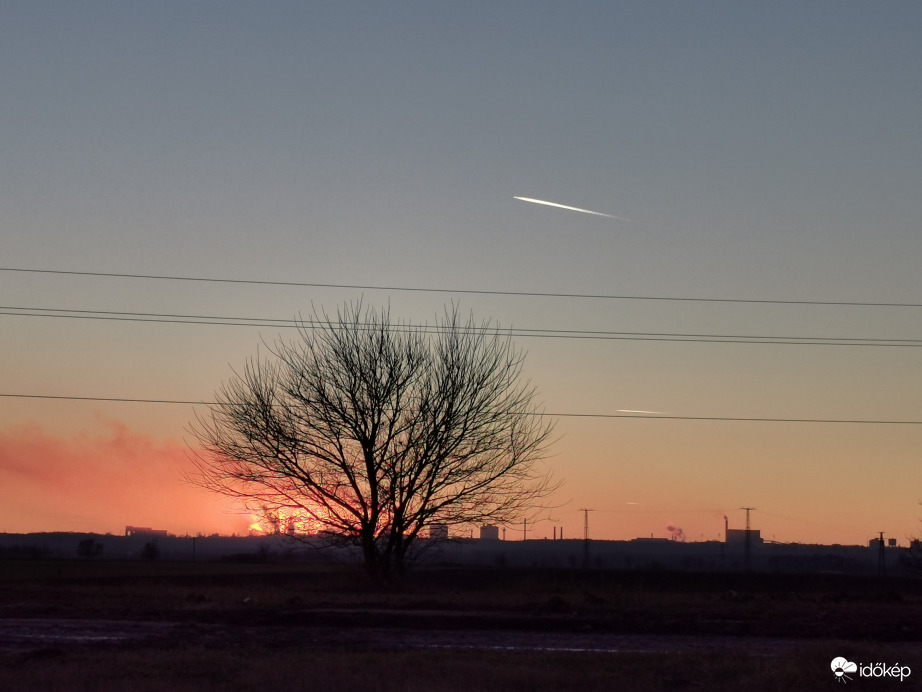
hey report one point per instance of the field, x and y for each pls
(91, 625)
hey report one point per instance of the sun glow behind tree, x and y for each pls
(374, 430)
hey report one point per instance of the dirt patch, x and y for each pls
(38, 634)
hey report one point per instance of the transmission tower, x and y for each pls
(881, 557)
(748, 539)
(585, 537)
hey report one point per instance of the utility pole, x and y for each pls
(881, 558)
(525, 530)
(748, 535)
(585, 537)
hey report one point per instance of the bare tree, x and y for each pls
(375, 429)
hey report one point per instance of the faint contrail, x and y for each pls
(631, 410)
(564, 206)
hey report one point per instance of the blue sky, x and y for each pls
(759, 150)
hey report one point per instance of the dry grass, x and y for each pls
(834, 616)
(258, 669)
(783, 606)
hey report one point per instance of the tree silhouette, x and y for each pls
(374, 429)
(150, 551)
(89, 548)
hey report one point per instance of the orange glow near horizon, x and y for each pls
(284, 520)
(639, 482)
(103, 481)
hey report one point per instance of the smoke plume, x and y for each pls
(676, 532)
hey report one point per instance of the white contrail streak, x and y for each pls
(631, 410)
(564, 206)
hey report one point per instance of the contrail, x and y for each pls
(630, 410)
(564, 206)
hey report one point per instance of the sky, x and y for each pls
(748, 150)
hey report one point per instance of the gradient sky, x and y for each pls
(759, 150)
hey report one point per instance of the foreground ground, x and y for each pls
(92, 625)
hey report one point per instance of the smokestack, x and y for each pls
(726, 527)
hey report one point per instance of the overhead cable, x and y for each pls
(655, 416)
(280, 323)
(421, 289)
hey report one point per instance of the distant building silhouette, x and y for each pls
(874, 543)
(738, 536)
(438, 531)
(489, 533)
(637, 554)
(144, 531)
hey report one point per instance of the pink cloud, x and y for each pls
(101, 481)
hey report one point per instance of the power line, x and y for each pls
(661, 510)
(281, 323)
(748, 536)
(734, 419)
(469, 291)
(814, 523)
(585, 512)
(124, 400)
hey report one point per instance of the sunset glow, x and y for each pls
(285, 520)
(102, 481)
(180, 185)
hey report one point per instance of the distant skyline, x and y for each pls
(745, 150)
